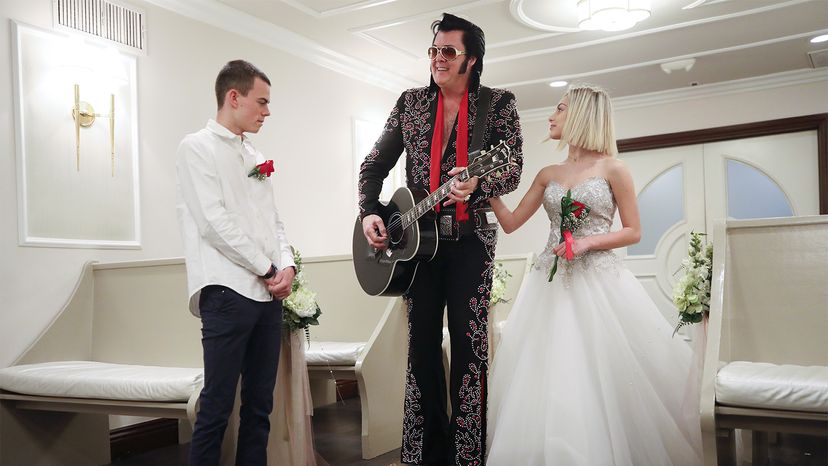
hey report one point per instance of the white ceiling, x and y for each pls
(532, 42)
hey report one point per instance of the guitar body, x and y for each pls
(410, 221)
(391, 272)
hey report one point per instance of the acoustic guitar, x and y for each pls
(410, 222)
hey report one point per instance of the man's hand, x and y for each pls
(280, 284)
(374, 229)
(461, 190)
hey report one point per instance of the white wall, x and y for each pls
(308, 136)
(686, 115)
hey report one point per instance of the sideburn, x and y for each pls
(465, 66)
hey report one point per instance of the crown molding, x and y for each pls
(335, 11)
(431, 14)
(522, 40)
(784, 79)
(232, 20)
(223, 17)
(634, 34)
(365, 32)
(516, 9)
(702, 53)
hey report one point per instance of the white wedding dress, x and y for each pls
(587, 372)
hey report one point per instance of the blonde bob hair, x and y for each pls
(589, 120)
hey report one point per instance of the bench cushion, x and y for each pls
(333, 353)
(90, 379)
(771, 386)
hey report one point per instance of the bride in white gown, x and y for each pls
(587, 372)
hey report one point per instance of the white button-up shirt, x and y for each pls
(229, 222)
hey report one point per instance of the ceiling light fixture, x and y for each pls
(670, 66)
(819, 39)
(558, 84)
(611, 15)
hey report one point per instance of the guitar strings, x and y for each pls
(396, 223)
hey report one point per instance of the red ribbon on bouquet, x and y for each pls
(573, 214)
(569, 241)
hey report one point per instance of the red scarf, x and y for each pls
(462, 147)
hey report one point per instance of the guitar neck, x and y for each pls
(487, 162)
(431, 200)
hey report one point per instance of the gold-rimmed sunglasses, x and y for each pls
(448, 52)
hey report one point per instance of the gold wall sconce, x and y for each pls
(84, 115)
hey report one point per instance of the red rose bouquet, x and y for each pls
(573, 214)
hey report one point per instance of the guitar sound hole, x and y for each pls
(397, 233)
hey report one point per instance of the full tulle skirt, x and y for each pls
(588, 373)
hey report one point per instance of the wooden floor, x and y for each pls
(337, 437)
(336, 430)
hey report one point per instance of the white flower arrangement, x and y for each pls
(300, 309)
(499, 278)
(691, 294)
(302, 302)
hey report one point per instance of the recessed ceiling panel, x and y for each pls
(730, 40)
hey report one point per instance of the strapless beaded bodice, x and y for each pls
(595, 192)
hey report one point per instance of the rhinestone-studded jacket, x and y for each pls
(409, 127)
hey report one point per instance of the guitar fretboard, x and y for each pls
(497, 157)
(432, 200)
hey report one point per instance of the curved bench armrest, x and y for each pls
(192, 404)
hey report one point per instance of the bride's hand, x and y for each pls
(579, 246)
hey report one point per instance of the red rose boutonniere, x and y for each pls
(262, 170)
(573, 214)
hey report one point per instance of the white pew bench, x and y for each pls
(766, 360)
(362, 338)
(108, 352)
(135, 314)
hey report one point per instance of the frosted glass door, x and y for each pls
(768, 176)
(686, 189)
(670, 188)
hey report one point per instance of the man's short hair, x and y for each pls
(238, 75)
(473, 39)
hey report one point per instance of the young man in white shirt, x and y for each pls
(239, 264)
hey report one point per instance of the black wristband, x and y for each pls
(270, 273)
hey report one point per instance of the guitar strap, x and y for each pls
(447, 224)
(483, 217)
(483, 100)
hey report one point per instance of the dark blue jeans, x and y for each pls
(239, 337)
